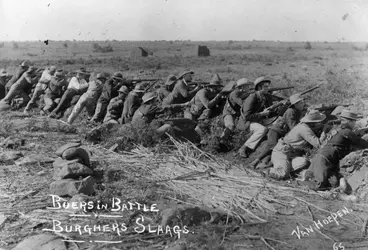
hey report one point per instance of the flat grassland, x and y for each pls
(342, 67)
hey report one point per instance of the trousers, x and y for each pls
(258, 131)
(84, 102)
(39, 90)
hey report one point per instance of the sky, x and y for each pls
(284, 20)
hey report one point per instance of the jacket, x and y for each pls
(147, 113)
(287, 122)
(55, 89)
(131, 104)
(18, 73)
(254, 105)
(204, 99)
(109, 91)
(179, 94)
(114, 109)
(234, 102)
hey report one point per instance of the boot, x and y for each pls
(244, 151)
(255, 163)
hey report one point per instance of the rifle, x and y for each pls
(279, 88)
(332, 107)
(193, 84)
(311, 89)
(151, 85)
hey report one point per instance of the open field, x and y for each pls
(270, 213)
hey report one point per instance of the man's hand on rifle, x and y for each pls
(265, 112)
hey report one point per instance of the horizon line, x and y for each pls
(188, 40)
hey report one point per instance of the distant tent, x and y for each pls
(202, 51)
(140, 52)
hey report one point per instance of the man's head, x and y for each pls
(297, 101)
(52, 70)
(262, 84)
(32, 70)
(101, 76)
(123, 92)
(313, 118)
(349, 118)
(3, 73)
(187, 76)
(24, 65)
(59, 74)
(138, 89)
(117, 77)
(82, 73)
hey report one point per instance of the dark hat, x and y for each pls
(101, 76)
(216, 81)
(82, 70)
(170, 80)
(118, 75)
(59, 73)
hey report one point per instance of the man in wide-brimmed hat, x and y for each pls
(23, 67)
(287, 154)
(55, 90)
(254, 111)
(109, 91)
(132, 103)
(3, 77)
(180, 93)
(41, 86)
(325, 164)
(233, 105)
(166, 89)
(76, 87)
(89, 99)
(282, 126)
(148, 111)
(19, 87)
(116, 105)
(204, 101)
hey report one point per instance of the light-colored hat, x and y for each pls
(260, 80)
(118, 75)
(313, 116)
(170, 80)
(337, 111)
(124, 89)
(24, 64)
(82, 71)
(349, 114)
(52, 68)
(3, 72)
(101, 76)
(138, 88)
(149, 96)
(59, 73)
(31, 69)
(241, 82)
(186, 73)
(216, 81)
(295, 99)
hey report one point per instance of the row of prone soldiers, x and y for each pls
(248, 106)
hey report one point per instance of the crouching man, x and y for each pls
(325, 164)
(55, 91)
(148, 111)
(115, 107)
(286, 156)
(254, 111)
(203, 103)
